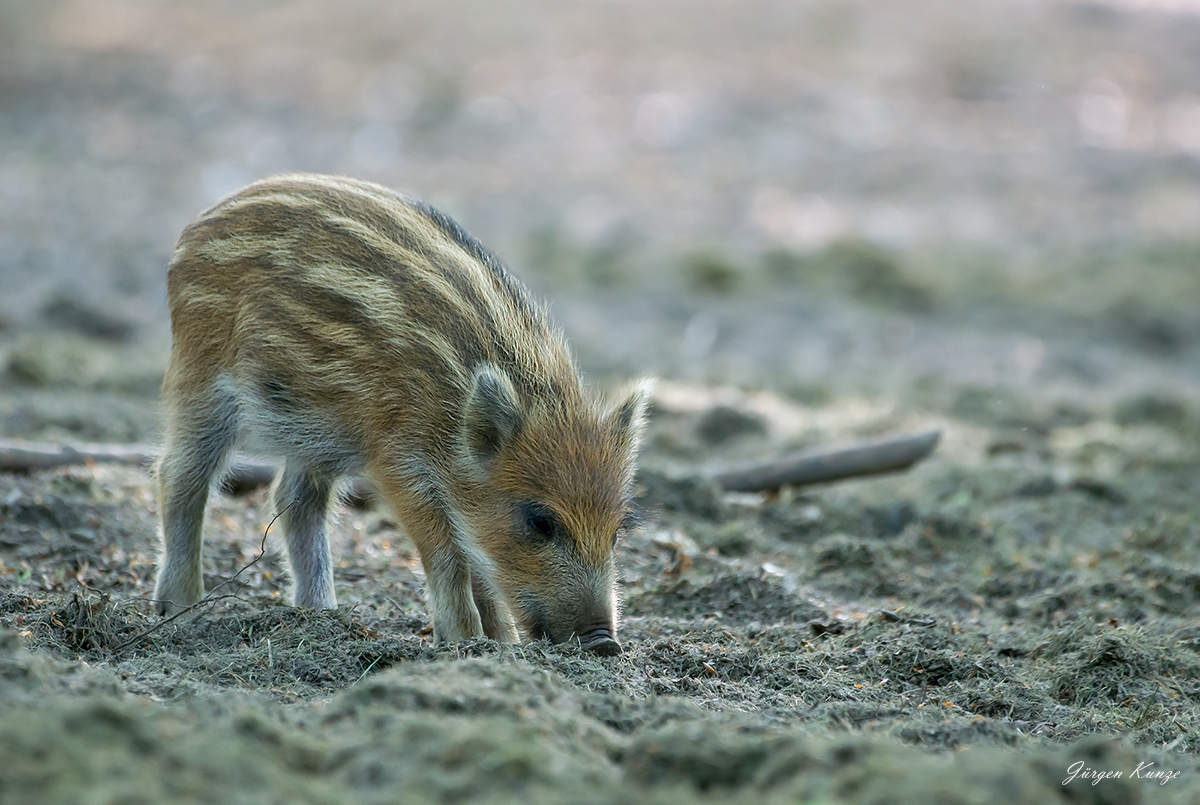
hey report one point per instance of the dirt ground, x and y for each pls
(814, 223)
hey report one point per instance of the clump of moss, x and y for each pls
(713, 272)
(855, 268)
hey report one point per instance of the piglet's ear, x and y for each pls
(492, 415)
(628, 419)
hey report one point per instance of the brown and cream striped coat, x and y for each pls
(352, 330)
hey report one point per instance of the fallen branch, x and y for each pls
(18, 455)
(244, 474)
(817, 466)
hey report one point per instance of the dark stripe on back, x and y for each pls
(504, 278)
(331, 306)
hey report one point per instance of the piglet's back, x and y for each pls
(349, 300)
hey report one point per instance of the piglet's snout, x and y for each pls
(599, 639)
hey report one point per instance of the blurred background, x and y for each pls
(837, 199)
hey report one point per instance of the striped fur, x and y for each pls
(352, 330)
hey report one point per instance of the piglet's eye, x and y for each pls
(542, 523)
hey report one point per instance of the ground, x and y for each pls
(814, 224)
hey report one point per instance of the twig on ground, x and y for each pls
(209, 598)
(20, 455)
(896, 617)
(832, 464)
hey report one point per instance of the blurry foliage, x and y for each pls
(68, 313)
(545, 250)
(986, 66)
(609, 263)
(1142, 295)
(854, 267)
(996, 406)
(1152, 408)
(438, 106)
(813, 395)
(1145, 293)
(975, 77)
(563, 262)
(69, 360)
(712, 271)
(725, 423)
(1134, 322)
(46, 361)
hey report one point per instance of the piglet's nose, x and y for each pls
(600, 640)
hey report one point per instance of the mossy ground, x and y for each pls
(980, 623)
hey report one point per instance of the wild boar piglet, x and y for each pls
(350, 331)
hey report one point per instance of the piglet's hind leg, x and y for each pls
(200, 434)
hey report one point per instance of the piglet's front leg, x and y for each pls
(447, 573)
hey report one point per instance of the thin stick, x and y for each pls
(209, 598)
(834, 464)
